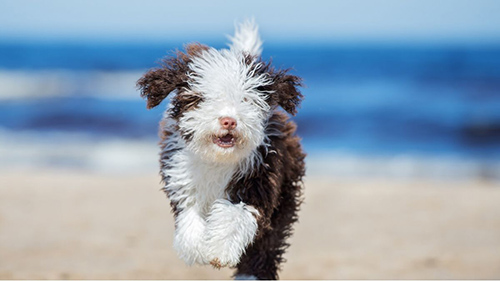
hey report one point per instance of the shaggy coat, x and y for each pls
(230, 161)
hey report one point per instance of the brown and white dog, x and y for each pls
(230, 161)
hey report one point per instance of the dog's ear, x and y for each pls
(285, 90)
(158, 83)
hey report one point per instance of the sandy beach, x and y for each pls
(73, 224)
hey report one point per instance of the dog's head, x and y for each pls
(222, 99)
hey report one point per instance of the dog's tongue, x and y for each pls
(226, 138)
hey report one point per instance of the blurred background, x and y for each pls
(413, 85)
(396, 92)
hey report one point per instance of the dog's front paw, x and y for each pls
(225, 258)
(216, 263)
(188, 239)
(190, 250)
(230, 228)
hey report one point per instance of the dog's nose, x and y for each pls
(228, 123)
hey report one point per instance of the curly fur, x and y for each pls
(234, 204)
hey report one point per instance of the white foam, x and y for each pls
(55, 83)
(404, 166)
(35, 150)
(82, 151)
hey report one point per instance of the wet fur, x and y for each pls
(261, 190)
(275, 187)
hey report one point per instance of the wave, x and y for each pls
(77, 151)
(340, 164)
(33, 150)
(49, 83)
(386, 102)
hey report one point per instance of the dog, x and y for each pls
(231, 163)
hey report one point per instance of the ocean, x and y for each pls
(368, 110)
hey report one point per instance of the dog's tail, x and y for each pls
(246, 38)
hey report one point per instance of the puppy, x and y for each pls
(230, 161)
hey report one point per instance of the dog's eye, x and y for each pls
(245, 100)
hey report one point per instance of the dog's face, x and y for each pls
(223, 99)
(227, 118)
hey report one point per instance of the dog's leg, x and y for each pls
(188, 240)
(230, 228)
(263, 257)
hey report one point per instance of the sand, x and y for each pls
(70, 224)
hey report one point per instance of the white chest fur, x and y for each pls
(208, 226)
(209, 182)
(194, 183)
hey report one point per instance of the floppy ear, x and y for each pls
(286, 93)
(158, 83)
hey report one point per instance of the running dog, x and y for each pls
(230, 161)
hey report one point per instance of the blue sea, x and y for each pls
(415, 110)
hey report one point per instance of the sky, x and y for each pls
(462, 21)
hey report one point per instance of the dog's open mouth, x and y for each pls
(225, 141)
